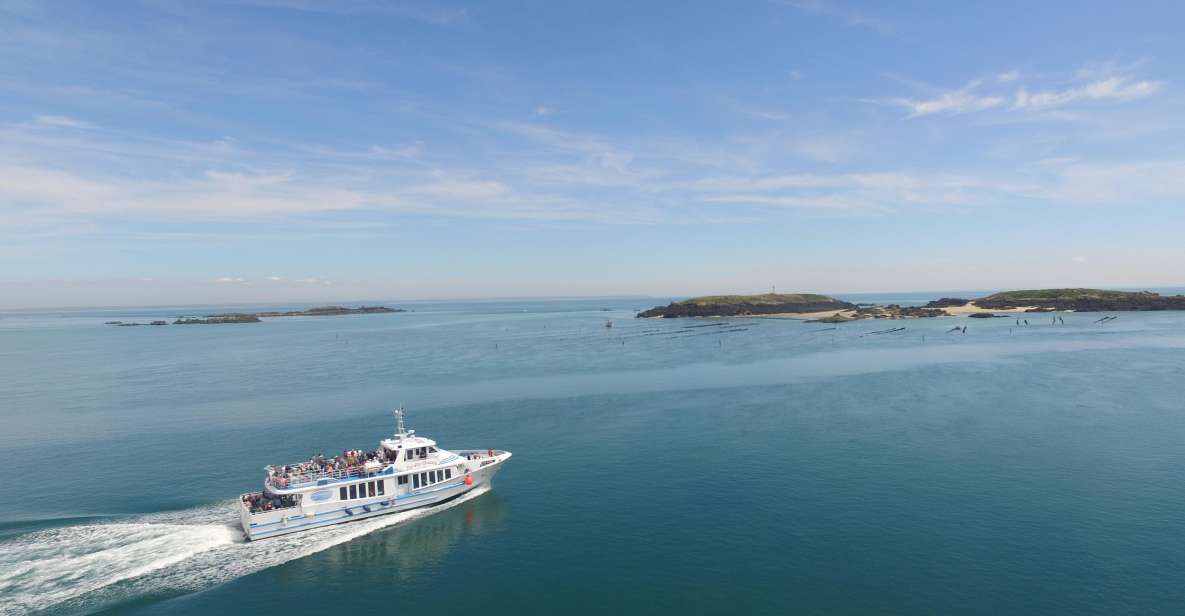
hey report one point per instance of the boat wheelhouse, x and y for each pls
(405, 472)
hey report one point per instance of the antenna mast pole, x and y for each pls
(399, 429)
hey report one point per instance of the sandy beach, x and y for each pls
(971, 308)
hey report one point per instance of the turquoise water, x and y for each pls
(661, 466)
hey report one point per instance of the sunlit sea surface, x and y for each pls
(661, 466)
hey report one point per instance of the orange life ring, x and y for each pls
(468, 480)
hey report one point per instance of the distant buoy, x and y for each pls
(468, 480)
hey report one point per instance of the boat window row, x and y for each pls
(428, 478)
(419, 452)
(362, 490)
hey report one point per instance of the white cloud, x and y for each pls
(216, 194)
(873, 191)
(60, 121)
(1118, 183)
(544, 110)
(1111, 88)
(972, 98)
(230, 280)
(1067, 183)
(952, 102)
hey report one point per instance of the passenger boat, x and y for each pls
(404, 472)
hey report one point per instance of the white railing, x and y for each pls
(293, 480)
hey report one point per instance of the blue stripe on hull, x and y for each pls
(400, 502)
(339, 515)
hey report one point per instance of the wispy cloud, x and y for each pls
(963, 100)
(826, 149)
(873, 192)
(973, 98)
(459, 188)
(1111, 88)
(848, 16)
(1070, 183)
(60, 121)
(544, 171)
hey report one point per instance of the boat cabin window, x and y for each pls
(416, 481)
(431, 476)
(353, 490)
(448, 473)
(431, 450)
(423, 452)
(342, 493)
(370, 488)
(403, 480)
(409, 454)
(382, 487)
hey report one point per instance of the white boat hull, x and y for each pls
(314, 515)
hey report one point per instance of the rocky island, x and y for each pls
(328, 311)
(805, 306)
(1076, 300)
(826, 309)
(254, 317)
(748, 305)
(216, 319)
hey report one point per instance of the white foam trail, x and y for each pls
(86, 567)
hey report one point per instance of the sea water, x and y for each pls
(661, 466)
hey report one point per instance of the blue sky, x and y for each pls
(165, 152)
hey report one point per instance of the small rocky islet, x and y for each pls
(1072, 300)
(748, 305)
(255, 317)
(795, 305)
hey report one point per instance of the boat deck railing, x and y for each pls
(479, 454)
(280, 480)
(296, 480)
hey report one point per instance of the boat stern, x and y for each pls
(245, 514)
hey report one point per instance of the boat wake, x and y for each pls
(84, 568)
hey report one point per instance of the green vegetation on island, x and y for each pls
(327, 311)
(839, 311)
(748, 305)
(1078, 300)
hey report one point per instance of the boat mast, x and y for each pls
(400, 431)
